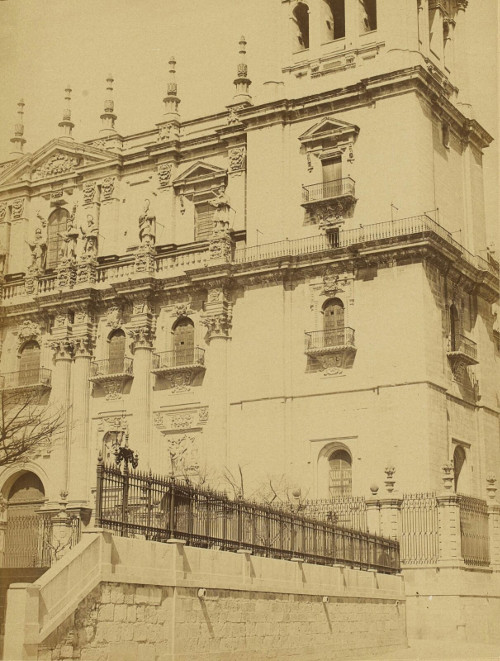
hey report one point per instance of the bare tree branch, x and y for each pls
(27, 424)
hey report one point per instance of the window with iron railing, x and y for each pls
(178, 358)
(110, 367)
(25, 378)
(338, 337)
(328, 190)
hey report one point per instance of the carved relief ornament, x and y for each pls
(3, 210)
(89, 190)
(114, 317)
(57, 164)
(164, 174)
(237, 158)
(27, 332)
(17, 208)
(107, 188)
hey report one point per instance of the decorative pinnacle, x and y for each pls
(242, 82)
(18, 140)
(171, 100)
(108, 117)
(66, 124)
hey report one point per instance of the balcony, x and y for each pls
(462, 350)
(33, 379)
(329, 201)
(106, 370)
(333, 349)
(179, 360)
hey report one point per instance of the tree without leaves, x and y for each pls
(26, 424)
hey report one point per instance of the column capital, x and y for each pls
(63, 348)
(82, 346)
(142, 337)
(218, 325)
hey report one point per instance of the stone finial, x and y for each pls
(389, 482)
(18, 140)
(66, 125)
(491, 487)
(242, 82)
(374, 489)
(171, 99)
(108, 117)
(448, 475)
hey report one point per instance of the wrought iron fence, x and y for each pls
(474, 531)
(345, 511)
(328, 190)
(34, 377)
(330, 338)
(419, 529)
(179, 357)
(111, 366)
(134, 504)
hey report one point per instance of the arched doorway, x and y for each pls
(333, 322)
(24, 530)
(184, 341)
(340, 474)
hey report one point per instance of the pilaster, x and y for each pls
(450, 550)
(493, 522)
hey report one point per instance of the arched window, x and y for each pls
(301, 20)
(454, 328)
(116, 351)
(459, 459)
(29, 364)
(340, 478)
(183, 341)
(334, 19)
(333, 322)
(23, 542)
(57, 224)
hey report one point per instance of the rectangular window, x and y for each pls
(204, 221)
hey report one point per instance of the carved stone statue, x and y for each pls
(147, 226)
(89, 237)
(69, 237)
(222, 208)
(38, 249)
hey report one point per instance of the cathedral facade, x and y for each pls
(298, 290)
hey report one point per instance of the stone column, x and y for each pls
(3, 528)
(373, 512)
(142, 334)
(450, 545)
(80, 433)
(493, 522)
(218, 323)
(61, 400)
(461, 76)
(390, 508)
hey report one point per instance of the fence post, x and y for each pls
(98, 491)
(62, 530)
(450, 543)
(390, 508)
(493, 522)
(373, 512)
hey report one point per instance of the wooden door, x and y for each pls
(184, 342)
(29, 364)
(57, 225)
(340, 474)
(333, 322)
(116, 352)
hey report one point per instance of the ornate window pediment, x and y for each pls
(328, 133)
(200, 176)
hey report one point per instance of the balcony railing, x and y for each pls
(100, 369)
(167, 360)
(463, 347)
(330, 339)
(39, 377)
(328, 190)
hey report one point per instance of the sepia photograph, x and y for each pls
(249, 330)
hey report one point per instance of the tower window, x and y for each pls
(301, 20)
(368, 12)
(340, 465)
(334, 17)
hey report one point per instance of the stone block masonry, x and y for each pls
(169, 602)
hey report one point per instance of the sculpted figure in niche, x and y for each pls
(69, 237)
(38, 249)
(147, 223)
(222, 208)
(89, 237)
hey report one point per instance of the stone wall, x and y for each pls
(170, 602)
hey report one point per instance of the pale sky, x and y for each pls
(45, 44)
